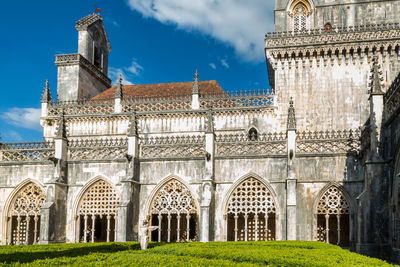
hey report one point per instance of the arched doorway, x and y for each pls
(174, 210)
(333, 218)
(251, 212)
(24, 215)
(97, 213)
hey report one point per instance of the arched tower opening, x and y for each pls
(174, 210)
(251, 212)
(300, 15)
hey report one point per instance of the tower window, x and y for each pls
(300, 13)
(97, 57)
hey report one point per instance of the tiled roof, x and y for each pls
(162, 89)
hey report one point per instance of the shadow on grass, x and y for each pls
(27, 257)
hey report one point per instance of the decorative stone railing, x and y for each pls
(74, 59)
(173, 147)
(23, 152)
(392, 99)
(362, 33)
(226, 100)
(238, 99)
(266, 144)
(97, 149)
(328, 142)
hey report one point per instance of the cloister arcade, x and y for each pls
(333, 217)
(97, 213)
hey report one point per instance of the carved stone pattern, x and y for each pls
(81, 108)
(337, 35)
(392, 98)
(328, 142)
(258, 98)
(100, 199)
(173, 147)
(28, 201)
(173, 198)
(240, 144)
(251, 196)
(333, 202)
(100, 149)
(36, 151)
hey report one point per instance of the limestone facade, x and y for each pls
(314, 158)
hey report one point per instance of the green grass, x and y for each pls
(288, 253)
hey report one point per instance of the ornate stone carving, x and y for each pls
(97, 149)
(36, 151)
(173, 147)
(333, 202)
(291, 122)
(46, 96)
(119, 90)
(251, 196)
(28, 201)
(328, 142)
(173, 198)
(242, 144)
(100, 199)
(196, 87)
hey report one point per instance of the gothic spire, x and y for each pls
(132, 129)
(376, 78)
(46, 96)
(291, 121)
(118, 90)
(196, 86)
(61, 132)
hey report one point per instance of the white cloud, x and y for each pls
(135, 68)
(224, 63)
(23, 117)
(127, 72)
(212, 65)
(239, 23)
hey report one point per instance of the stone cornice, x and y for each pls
(77, 59)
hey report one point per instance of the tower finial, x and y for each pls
(196, 86)
(291, 121)
(46, 96)
(118, 91)
(376, 78)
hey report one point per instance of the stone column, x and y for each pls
(128, 220)
(207, 192)
(53, 213)
(291, 181)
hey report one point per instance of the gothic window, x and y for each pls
(300, 13)
(97, 213)
(174, 211)
(333, 215)
(251, 212)
(24, 214)
(253, 134)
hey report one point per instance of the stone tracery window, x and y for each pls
(251, 212)
(25, 215)
(300, 13)
(97, 213)
(333, 215)
(174, 211)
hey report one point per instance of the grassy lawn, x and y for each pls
(293, 253)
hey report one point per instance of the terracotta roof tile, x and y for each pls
(162, 89)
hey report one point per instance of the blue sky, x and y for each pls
(152, 41)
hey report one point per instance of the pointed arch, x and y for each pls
(300, 14)
(96, 211)
(332, 214)
(250, 210)
(21, 215)
(172, 203)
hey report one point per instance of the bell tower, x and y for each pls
(84, 75)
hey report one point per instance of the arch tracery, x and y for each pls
(300, 14)
(333, 217)
(174, 210)
(24, 213)
(97, 212)
(251, 212)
